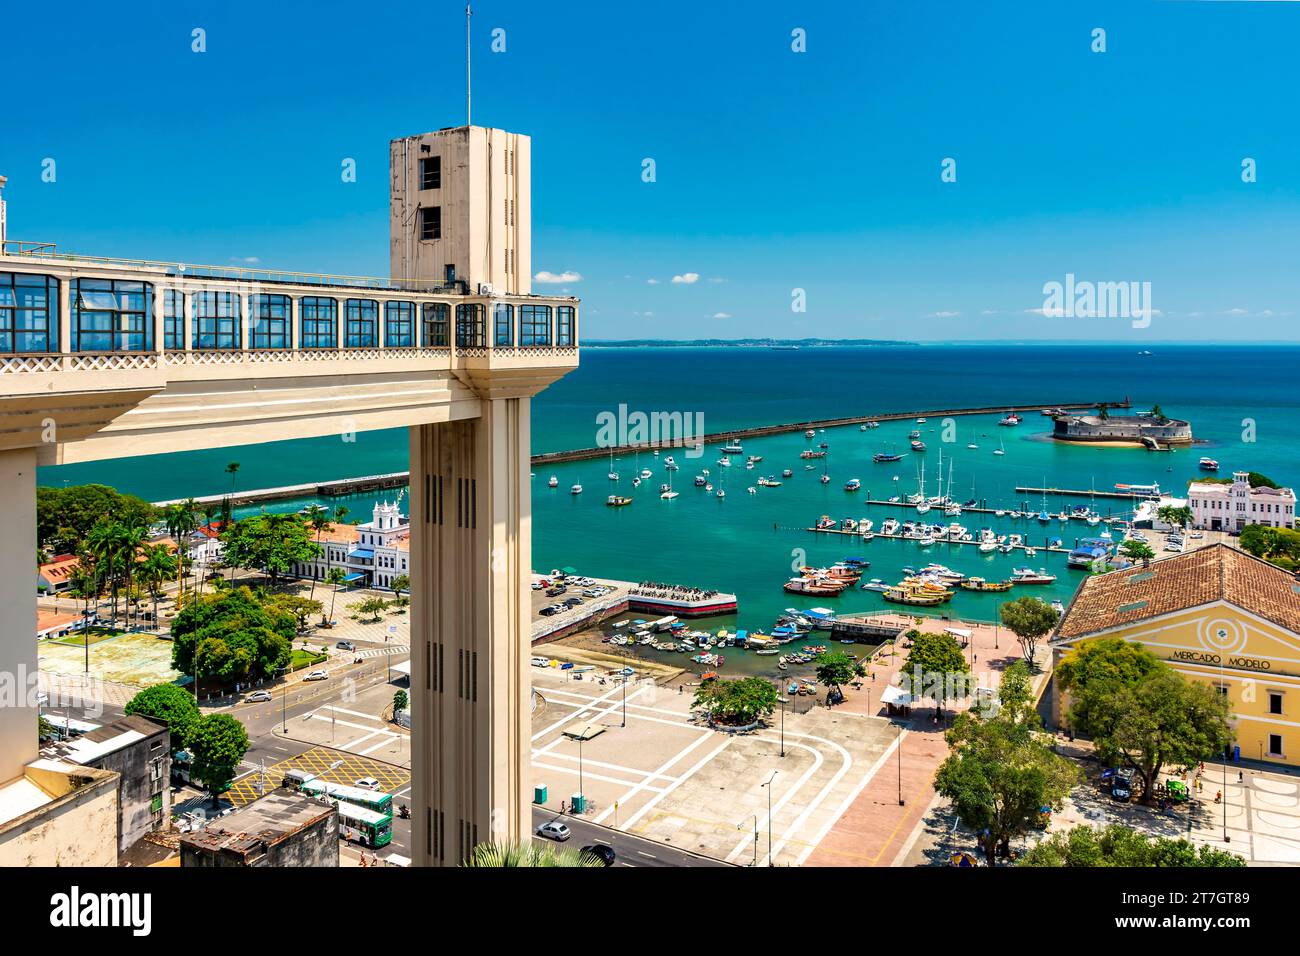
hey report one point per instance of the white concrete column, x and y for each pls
(245, 307)
(159, 335)
(65, 316)
(471, 544)
(295, 316)
(187, 320)
(18, 663)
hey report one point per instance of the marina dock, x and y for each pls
(321, 489)
(937, 541)
(1125, 495)
(964, 510)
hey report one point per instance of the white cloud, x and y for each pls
(652, 281)
(554, 278)
(1236, 311)
(989, 312)
(722, 315)
(717, 279)
(246, 260)
(646, 315)
(686, 278)
(944, 315)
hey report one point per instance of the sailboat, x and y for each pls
(1044, 516)
(1001, 449)
(666, 491)
(922, 504)
(613, 475)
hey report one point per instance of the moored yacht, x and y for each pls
(553, 482)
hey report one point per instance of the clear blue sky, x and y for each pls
(775, 170)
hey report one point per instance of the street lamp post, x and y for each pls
(783, 701)
(900, 765)
(1226, 838)
(754, 862)
(768, 785)
(623, 722)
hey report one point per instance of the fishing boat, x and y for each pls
(853, 484)
(809, 453)
(1011, 419)
(918, 445)
(576, 489)
(980, 584)
(788, 473)
(617, 501)
(1030, 576)
(553, 482)
(1209, 464)
(902, 596)
(733, 448)
(822, 587)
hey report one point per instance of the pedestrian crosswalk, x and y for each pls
(386, 650)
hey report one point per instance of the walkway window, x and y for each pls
(320, 319)
(434, 325)
(109, 315)
(469, 326)
(216, 320)
(534, 325)
(503, 321)
(399, 325)
(29, 313)
(362, 316)
(565, 325)
(269, 320)
(173, 320)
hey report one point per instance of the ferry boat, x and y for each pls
(1209, 464)
(553, 482)
(918, 446)
(733, 448)
(1030, 576)
(1011, 419)
(617, 501)
(980, 584)
(1147, 491)
(881, 457)
(812, 454)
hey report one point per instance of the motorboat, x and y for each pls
(1209, 464)
(754, 459)
(1030, 576)
(1011, 419)
(810, 434)
(853, 484)
(617, 501)
(914, 433)
(873, 424)
(553, 482)
(700, 481)
(918, 446)
(788, 473)
(724, 461)
(576, 489)
(875, 584)
(646, 473)
(826, 479)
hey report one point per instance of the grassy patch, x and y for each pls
(301, 659)
(93, 635)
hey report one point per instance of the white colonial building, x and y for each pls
(1220, 507)
(370, 554)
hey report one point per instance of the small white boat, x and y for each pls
(553, 482)
(724, 461)
(576, 490)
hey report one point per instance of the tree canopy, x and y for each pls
(231, 635)
(1119, 845)
(173, 706)
(838, 668)
(738, 702)
(1030, 619)
(935, 668)
(273, 543)
(64, 516)
(218, 745)
(1279, 546)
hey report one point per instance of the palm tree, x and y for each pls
(335, 577)
(232, 469)
(319, 520)
(134, 538)
(108, 543)
(157, 567)
(209, 515)
(529, 854)
(181, 519)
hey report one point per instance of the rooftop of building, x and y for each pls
(1141, 418)
(45, 782)
(275, 817)
(109, 738)
(1180, 582)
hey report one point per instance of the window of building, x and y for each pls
(469, 326)
(362, 317)
(1274, 702)
(565, 325)
(534, 325)
(109, 315)
(29, 313)
(1275, 745)
(173, 319)
(503, 323)
(318, 321)
(431, 222)
(433, 324)
(399, 325)
(216, 320)
(431, 172)
(269, 320)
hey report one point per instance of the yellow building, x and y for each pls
(1216, 615)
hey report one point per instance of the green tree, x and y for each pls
(170, 704)
(498, 855)
(1159, 720)
(336, 577)
(737, 702)
(154, 570)
(230, 635)
(273, 543)
(218, 745)
(1000, 775)
(1136, 550)
(300, 607)
(64, 516)
(181, 520)
(370, 608)
(1100, 666)
(1119, 845)
(1016, 689)
(1030, 619)
(1171, 515)
(838, 668)
(400, 583)
(936, 668)
(400, 702)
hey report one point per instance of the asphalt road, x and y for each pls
(629, 850)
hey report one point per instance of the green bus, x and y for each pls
(381, 803)
(364, 826)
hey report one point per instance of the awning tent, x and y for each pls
(897, 696)
(961, 633)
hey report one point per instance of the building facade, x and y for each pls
(282, 829)
(1122, 429)
(371, 555)
(1217, 616)
(1222, 507)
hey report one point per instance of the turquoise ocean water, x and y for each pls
(746, 543)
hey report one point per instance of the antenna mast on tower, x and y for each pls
(468, 14)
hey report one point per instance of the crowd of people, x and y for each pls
(675, 592)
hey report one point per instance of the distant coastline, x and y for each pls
(744, 343)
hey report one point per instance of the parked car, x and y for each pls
(573, 602)
(538, 585)
(554, 830)
(368, 783)
(258, 697)
(316, 675)
(346, 646)
(602, 851)
(548, 611)
(1121, 784)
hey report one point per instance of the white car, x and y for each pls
(258, 697)
(368, 783)
(554, 830)
(316, 675)
(541, 662)
(537, 585)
